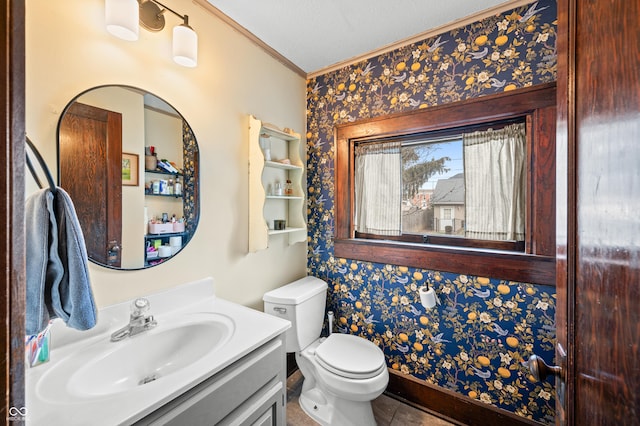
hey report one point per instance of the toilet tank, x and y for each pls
(302, 302)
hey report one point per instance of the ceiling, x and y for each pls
(317, 34)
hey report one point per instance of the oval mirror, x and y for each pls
(129, 162)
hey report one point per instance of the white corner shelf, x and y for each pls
(283, 166)
(286, 231)
(263, 175)
(283, 197)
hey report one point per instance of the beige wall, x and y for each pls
(68, 51)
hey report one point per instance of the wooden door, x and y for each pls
(90, 152)
(598, 247)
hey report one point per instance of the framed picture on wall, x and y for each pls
(129, 169)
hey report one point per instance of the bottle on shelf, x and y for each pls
(278, 190)
(288, 188)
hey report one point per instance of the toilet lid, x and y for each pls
(350, 356)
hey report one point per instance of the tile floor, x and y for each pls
(387, 411)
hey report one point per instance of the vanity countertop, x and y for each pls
(52, 398)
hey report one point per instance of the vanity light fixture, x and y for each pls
(123, 16)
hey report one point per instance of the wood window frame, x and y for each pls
(536, 264)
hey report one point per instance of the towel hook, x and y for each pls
(43, 164)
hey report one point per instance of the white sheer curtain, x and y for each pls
(494, 165)
(378, 188)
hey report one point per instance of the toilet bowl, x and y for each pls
(338, 389)
(342, 373)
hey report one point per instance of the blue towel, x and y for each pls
(58, 283)
(39, 215)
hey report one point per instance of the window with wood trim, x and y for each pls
(456, 240)
(462, 187)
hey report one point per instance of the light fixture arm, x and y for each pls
(185, 39)
(185, 18)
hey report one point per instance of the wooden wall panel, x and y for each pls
(451, 405)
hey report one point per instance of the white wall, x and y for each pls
(68, 51)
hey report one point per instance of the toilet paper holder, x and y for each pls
(428, 297)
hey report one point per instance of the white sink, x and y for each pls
(90, 380)
(105, 368)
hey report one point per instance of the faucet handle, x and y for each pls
(140, 306)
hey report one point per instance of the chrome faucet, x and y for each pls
(139, 321)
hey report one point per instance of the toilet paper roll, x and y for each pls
(427, 297)
(175, 241)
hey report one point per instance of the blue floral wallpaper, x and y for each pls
(190, 158)
(474, 342)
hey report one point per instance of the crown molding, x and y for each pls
(384, 49)
(252, 37)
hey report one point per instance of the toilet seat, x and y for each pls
(350, 356)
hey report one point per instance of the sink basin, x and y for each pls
(105, 368)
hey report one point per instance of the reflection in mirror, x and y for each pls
(129, 161)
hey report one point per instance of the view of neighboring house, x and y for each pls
(417, 213)
(422, 198)
(448, 205)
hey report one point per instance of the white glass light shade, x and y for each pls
(122, 18)
(185, 46)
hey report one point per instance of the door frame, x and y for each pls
(12, 297)
(566, 228)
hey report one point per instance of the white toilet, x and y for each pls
(342, 373)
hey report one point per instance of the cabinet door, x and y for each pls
(237, 395)
(265, 408)
(268, 418)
